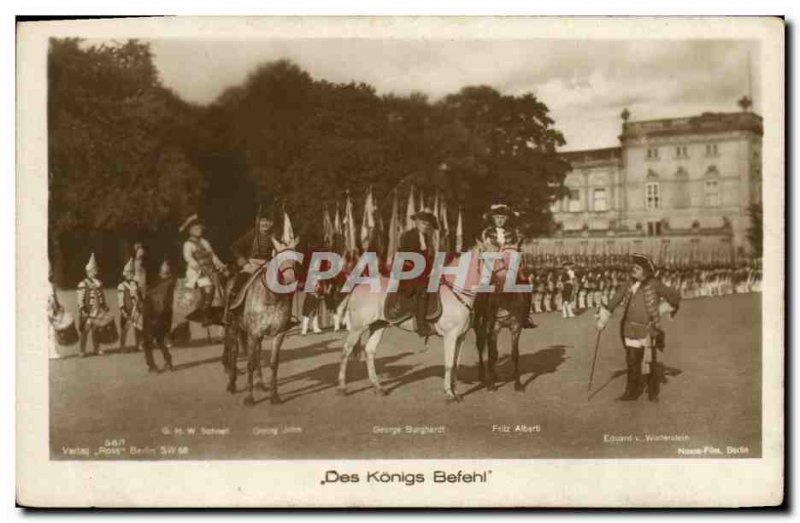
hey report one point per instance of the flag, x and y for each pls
(445, 226)
(395, 230)
(411, 209)
(367, 220)
(459, 233)
(350, 245)
(288, 232)
(327, 229)
(437, 233)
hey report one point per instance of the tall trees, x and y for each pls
(128, 157)
(116, 160)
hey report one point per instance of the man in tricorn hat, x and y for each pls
(419, 240)
(640, 298)
(253, 250)
(501, 235)
(202, 266)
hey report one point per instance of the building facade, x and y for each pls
(673, 184)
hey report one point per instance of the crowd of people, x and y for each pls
(589, 282)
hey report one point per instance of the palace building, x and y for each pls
(673, 185)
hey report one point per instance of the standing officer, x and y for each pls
(640, 298)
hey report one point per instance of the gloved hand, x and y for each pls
(602, 317)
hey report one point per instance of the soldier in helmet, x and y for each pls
(91, 306)
(129, 299)
(202, 267)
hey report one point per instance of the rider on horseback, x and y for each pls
(419, 240)
(500, 235)
(252, 251)
(202, 267)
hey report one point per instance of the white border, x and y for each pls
(669, 483)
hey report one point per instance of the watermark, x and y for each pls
(469, 272)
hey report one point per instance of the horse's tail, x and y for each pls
(358, 352)
(342, 307)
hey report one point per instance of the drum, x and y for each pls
(64, 327)
(105, 330)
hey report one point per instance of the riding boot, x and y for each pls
(304, 328)
(315, 325)
(205, 305)
(423, 328)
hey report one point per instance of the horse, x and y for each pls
(366, 313)
(264, 313)
(493, 313)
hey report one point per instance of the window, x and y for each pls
(652, 195)
(599, 200)
(652, 153)
(712, 149)
(681, 191)
(575, 200)
(712, 193)
(681, 151)
(654, 228)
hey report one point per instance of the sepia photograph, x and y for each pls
(363, 243)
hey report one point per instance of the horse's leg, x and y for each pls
(274, 359)
(243, 342)
(516, 330)
(450, 362)
(349, 343)
(371, 348)
(253, 361)
(232, 349)
(492, 330)
(480, 343)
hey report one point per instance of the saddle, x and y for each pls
(400, 306)
(238, 300)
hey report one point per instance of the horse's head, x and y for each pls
(287, 267)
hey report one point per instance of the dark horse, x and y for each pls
(264, 313)
(494, 312)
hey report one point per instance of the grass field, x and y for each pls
(110, 407)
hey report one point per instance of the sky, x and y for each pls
(585, 83)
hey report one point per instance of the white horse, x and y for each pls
(365, 309)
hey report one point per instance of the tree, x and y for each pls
(117, 165)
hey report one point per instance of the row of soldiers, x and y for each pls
(588, 284)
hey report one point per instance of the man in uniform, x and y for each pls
(640, 298)
(91, 306)
(502, 236)
(419, 240)
(129, 299)
(202, 267)
(252, 251)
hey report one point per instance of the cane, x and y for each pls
(594, 362)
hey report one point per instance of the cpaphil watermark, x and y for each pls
(473, 272)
